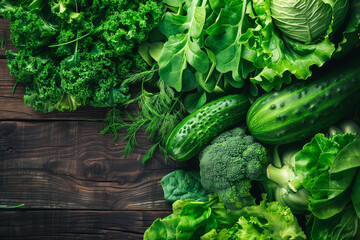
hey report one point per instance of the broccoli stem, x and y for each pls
(281, 176)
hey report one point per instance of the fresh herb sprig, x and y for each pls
(160, 110)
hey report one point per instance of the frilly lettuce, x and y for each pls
(193, 219)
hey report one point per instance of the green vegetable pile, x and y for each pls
(207, 220)
(77, 53)
(321, 179)
(254, 92)
(243, 43)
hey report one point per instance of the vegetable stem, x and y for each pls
(281, 176)
(14, 88)
(276, 158)
(11, 207)
(72, 41)
(295, 184)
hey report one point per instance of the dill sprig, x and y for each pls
(115, 122)
(160, 111)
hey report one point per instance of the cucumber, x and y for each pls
(304, 109)
(195, 131)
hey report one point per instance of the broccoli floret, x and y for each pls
(229, 164)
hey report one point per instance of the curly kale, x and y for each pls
(77, 52)
(229, 164)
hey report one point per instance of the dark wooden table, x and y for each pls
(75, 184)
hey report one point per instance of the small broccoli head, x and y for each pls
(229, 164)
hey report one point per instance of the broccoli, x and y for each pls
(229, 164)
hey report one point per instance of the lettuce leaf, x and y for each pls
(283, 57)
(350, 36)
(327, 167)
(193, 219)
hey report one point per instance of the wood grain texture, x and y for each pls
(68, 165)
(76, 224)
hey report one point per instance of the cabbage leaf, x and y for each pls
(302, 20)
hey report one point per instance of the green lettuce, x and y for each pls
(193, 219)
(327, 168)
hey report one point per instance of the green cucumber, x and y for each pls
(195, 131)
(304, 109)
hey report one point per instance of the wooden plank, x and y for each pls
(68, 165)
(76, 224)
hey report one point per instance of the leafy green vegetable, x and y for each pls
(327, 167)
(274, 220)
(339, 227)
(238, 40)
(308, 20)
(279, 58)
(355, 194)
(229, 164)
(232, 23)
(179, 185)
(76, 53)
(350, 37)
(190, 218)
(210, 220)
(183, 46)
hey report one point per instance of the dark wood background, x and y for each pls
(75, 184)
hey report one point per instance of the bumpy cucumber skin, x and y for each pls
(302, 110)
(195, 131)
